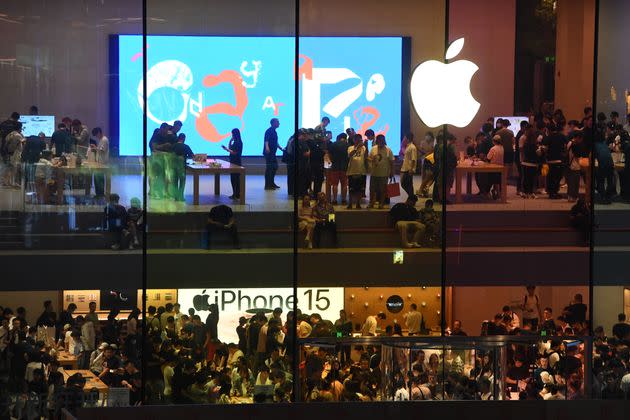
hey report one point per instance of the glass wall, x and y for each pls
(611, 209)
(220, 75)
(71, 265)
(238, 202)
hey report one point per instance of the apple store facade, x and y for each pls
(293, 207)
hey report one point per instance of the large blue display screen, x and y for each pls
(214, 84)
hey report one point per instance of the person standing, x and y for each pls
(61, 140)
(13, 146)
(371, 324)
(100, 153)
(413, 320)
(269, 152)
(357, 168)
(338, 154)
(555, 147)
(531, 308)
(381, 161)
(235, 149)
(181, 152)
(410, 161)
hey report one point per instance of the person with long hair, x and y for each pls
(235, 149)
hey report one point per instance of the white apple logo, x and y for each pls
(440, 92)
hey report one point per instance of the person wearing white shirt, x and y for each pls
(410, 161)
(99, 153)
(516, 322)
(234, 354)
(371, 324)
(88, 340)
(413, 320)
(96, 359)
(263, 376)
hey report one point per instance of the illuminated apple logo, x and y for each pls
(440, 92)
(200, 302)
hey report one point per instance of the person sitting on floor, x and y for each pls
(115, 221)
(324, 215)
(405, 218)
(221, 219)
(135, 219)
(306, 222)
(431, 221)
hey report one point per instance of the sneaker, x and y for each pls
(136, 242)
(275, 187)
(334, 203)
(349, 207)
(358, 206)
(131, 248)
(115, 247)
(344, 202)
(416, 245)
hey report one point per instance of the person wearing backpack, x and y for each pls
(531, 308)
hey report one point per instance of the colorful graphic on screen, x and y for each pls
(215, 84)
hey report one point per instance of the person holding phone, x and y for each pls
(235, 149)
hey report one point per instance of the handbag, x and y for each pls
(393, 188)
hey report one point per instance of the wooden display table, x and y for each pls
(216, 168)
(469, 167)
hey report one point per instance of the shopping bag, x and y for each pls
(393, 188)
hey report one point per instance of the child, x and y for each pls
(135, 219)
(495, 156)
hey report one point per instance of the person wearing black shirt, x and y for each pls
(221, 219)
(181, 152)
(241, 331)
(132, 379)
(115, 221)
(61, 140)
(338, 154)
(212, 322)
(161, 144)
(65, 317)
(317, 148)
(484, 144)
(48, 318)
(576, 311)
(235, 149)
(405, 218)
(269, 152)
(621, 330)
(555, 146)
(111, 374)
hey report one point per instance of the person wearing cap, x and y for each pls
(96, 359)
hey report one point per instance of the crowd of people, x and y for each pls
(186, 362)
(34, 160)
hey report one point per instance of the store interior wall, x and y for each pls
(32, 301)
(357, 311)
(613, 63)
(474, 304)
(488, 28)
(608, 302)
(575, 52)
